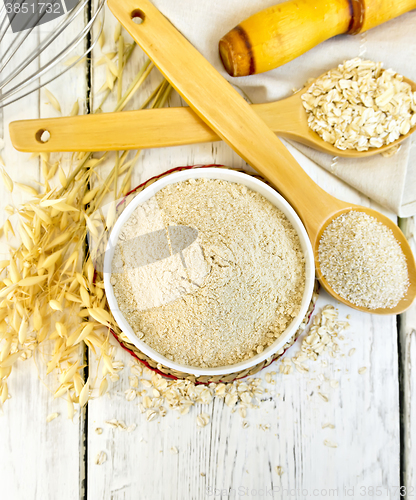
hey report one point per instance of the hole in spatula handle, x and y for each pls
(43, 136)
(137, 16)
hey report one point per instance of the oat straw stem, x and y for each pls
(135, 85)
(127, 56)
(45, 292)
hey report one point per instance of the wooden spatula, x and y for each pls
(226, 112)
(156, 128)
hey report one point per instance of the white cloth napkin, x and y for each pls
(389, 181)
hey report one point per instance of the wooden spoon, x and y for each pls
(226, 112)
(155, 128)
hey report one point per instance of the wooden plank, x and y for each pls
(407, 334)
(364, 410)
(39, 460)
(223, 455)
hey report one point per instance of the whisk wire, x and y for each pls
(94, 42)
(21, 90)
(44, 44)
(7, 19)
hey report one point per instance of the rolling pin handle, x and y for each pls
(281, 33)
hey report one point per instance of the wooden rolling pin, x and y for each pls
(283, 32)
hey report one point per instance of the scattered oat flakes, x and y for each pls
(323, 397)
(150, 415)
(181, 395)
(119, 424)
(220, 389)
(362, 370)
(324, 330)
(136, 370)
(130, 394)
(328, 425)
(174, 450)
(51, 417)
(264, 427)
(98, 430)
(330, 444)
(351, 351)
(242, 411)
(246, 397)
(101, 458)
(231, 400)
(279, 470)
(202, 419)
(112, 423)
(162, 411)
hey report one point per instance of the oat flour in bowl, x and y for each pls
(208, 273)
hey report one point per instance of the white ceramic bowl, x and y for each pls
(231, 176)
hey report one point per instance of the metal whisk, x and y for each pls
(24, 70)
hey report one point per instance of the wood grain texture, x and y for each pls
(377, 12)
(45, 461)
(156, 128)
(407, 334)
(216, 102)
(39, 461)
(364, 409)
(224, 110)
(279, 34)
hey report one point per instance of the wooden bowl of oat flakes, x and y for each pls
(209, 271)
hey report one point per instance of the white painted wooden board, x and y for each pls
(364, 411)
(43, 461)
(39, 461)
(408, 359)
(214, 462)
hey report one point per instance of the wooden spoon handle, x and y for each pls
(150, 128)
(219, 105)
